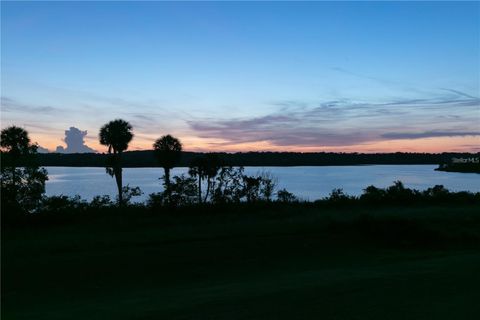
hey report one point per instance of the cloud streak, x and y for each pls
(428, 134)
(345, 123)
(11, 105)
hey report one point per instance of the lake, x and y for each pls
(309, 183)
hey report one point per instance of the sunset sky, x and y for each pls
(344, 76)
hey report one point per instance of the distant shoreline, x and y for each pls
(145, 159)
(461, 168)
(260, 166)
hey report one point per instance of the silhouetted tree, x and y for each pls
(398, 193)
(252, 187)
(182, 191)
(258, 188)
(437, 192)
(21, 185)
(116, 134)
(129, 192)
(339, 196)
(168, 150)
(373, 194)
(196, 171)
(14, 143)
(285, 196)
(205, 167)
(229, 185)
(268, 184)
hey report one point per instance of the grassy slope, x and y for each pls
(399, 263)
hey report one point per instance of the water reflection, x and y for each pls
(305, 182)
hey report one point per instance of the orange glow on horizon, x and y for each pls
(196, 144)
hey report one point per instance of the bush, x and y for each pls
(233, 186)
(338, 196)
(257, 188)
(101, 202)
(267, 185)
(284, 196)
(62, 203)
(373, 194)
(129, 192)
(229, 186)
(437, 192)
(155, 200)
(179, 192)
(398, 193)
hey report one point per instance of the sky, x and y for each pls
(245, 76)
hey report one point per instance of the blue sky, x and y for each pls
(367, 76)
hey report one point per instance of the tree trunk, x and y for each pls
(167, 184)
(199, 188)
(167, 178)
(118, 179)
(14, 183)
(208, 190)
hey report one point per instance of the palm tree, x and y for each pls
(196, 169)
(205, 167)
(116, 135)
(14, 140)
(168, 151)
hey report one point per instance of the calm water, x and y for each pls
(305, 182)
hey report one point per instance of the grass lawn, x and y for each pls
(294, 263)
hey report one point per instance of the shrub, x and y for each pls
(398, 193)
(337, 195)
(229, 186)
(285, 196)
(233, 186)
(373, 194)
(179, 192)
(267, 185)
(437, 192)
(128, 193)
(101, 202)
(62, 203)
(155, 200)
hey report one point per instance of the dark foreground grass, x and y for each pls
(278, 262)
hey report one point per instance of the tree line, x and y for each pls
(146, 158)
